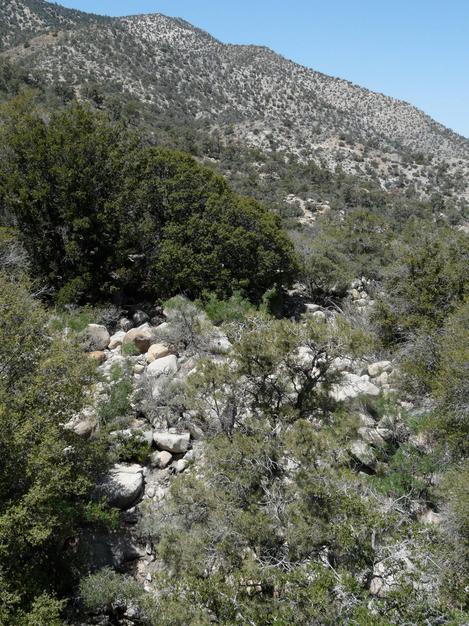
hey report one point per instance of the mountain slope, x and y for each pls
(21, 19)
(248, 92)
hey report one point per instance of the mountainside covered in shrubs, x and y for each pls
(267, 454)
(153, 66)
(224, 399)
(22, 20)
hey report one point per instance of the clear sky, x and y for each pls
(416, 50)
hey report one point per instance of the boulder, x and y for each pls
(113, 360)
(382, 379)
(372, 437)
(388, 421)
(82, 427)
(157, 351)
(219, 342)
(180, 466)
(305, 356)
(95, 338)
(341, 364)
(176, 443)
(389, 573)
(162, 329)
(378, 587)
(196, 432)
(141, 337)
(385, 433)
(363, 453)
(123, 486)
(319, 316)
(161, 459)
(312, 308)
(354, 386)
(98, 356)
(139, 318)
(85, 428)
(125, 324)
(165, 365)
(117, 340)
(375, 369)
(366, 420)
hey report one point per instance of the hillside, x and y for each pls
(21, 20)
(248, 94)
(234, 337)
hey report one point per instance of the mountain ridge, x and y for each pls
(262, 98)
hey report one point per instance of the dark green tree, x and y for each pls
(46, 471)
(102, 216)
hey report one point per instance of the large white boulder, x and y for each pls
(353, 386)
(85, 428)
(123, 486)
(382, 380)
(376, 369)
(114, 360)
(363, 453)
(166, 365)
(341, 364)
(180, 466)
(84, 424)
(176, 443)
(117, 340)
(161, 459)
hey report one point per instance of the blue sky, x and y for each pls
(416, 50)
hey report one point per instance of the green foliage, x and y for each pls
(427, 282)
(103, 217)
(13, 80)
(243, 523)
(45, 611)
(326, 272)
(130, 349)
(47, 472)
(363, 237)
(108, 590)
(117, 404)
(76, 320)
(454, 491)
(279, 372)
(275, 528)
(233, 309)
(132, 449)
(450, 382)
(437, 362)
(13, 257)
(245, 535)
(408, 474)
